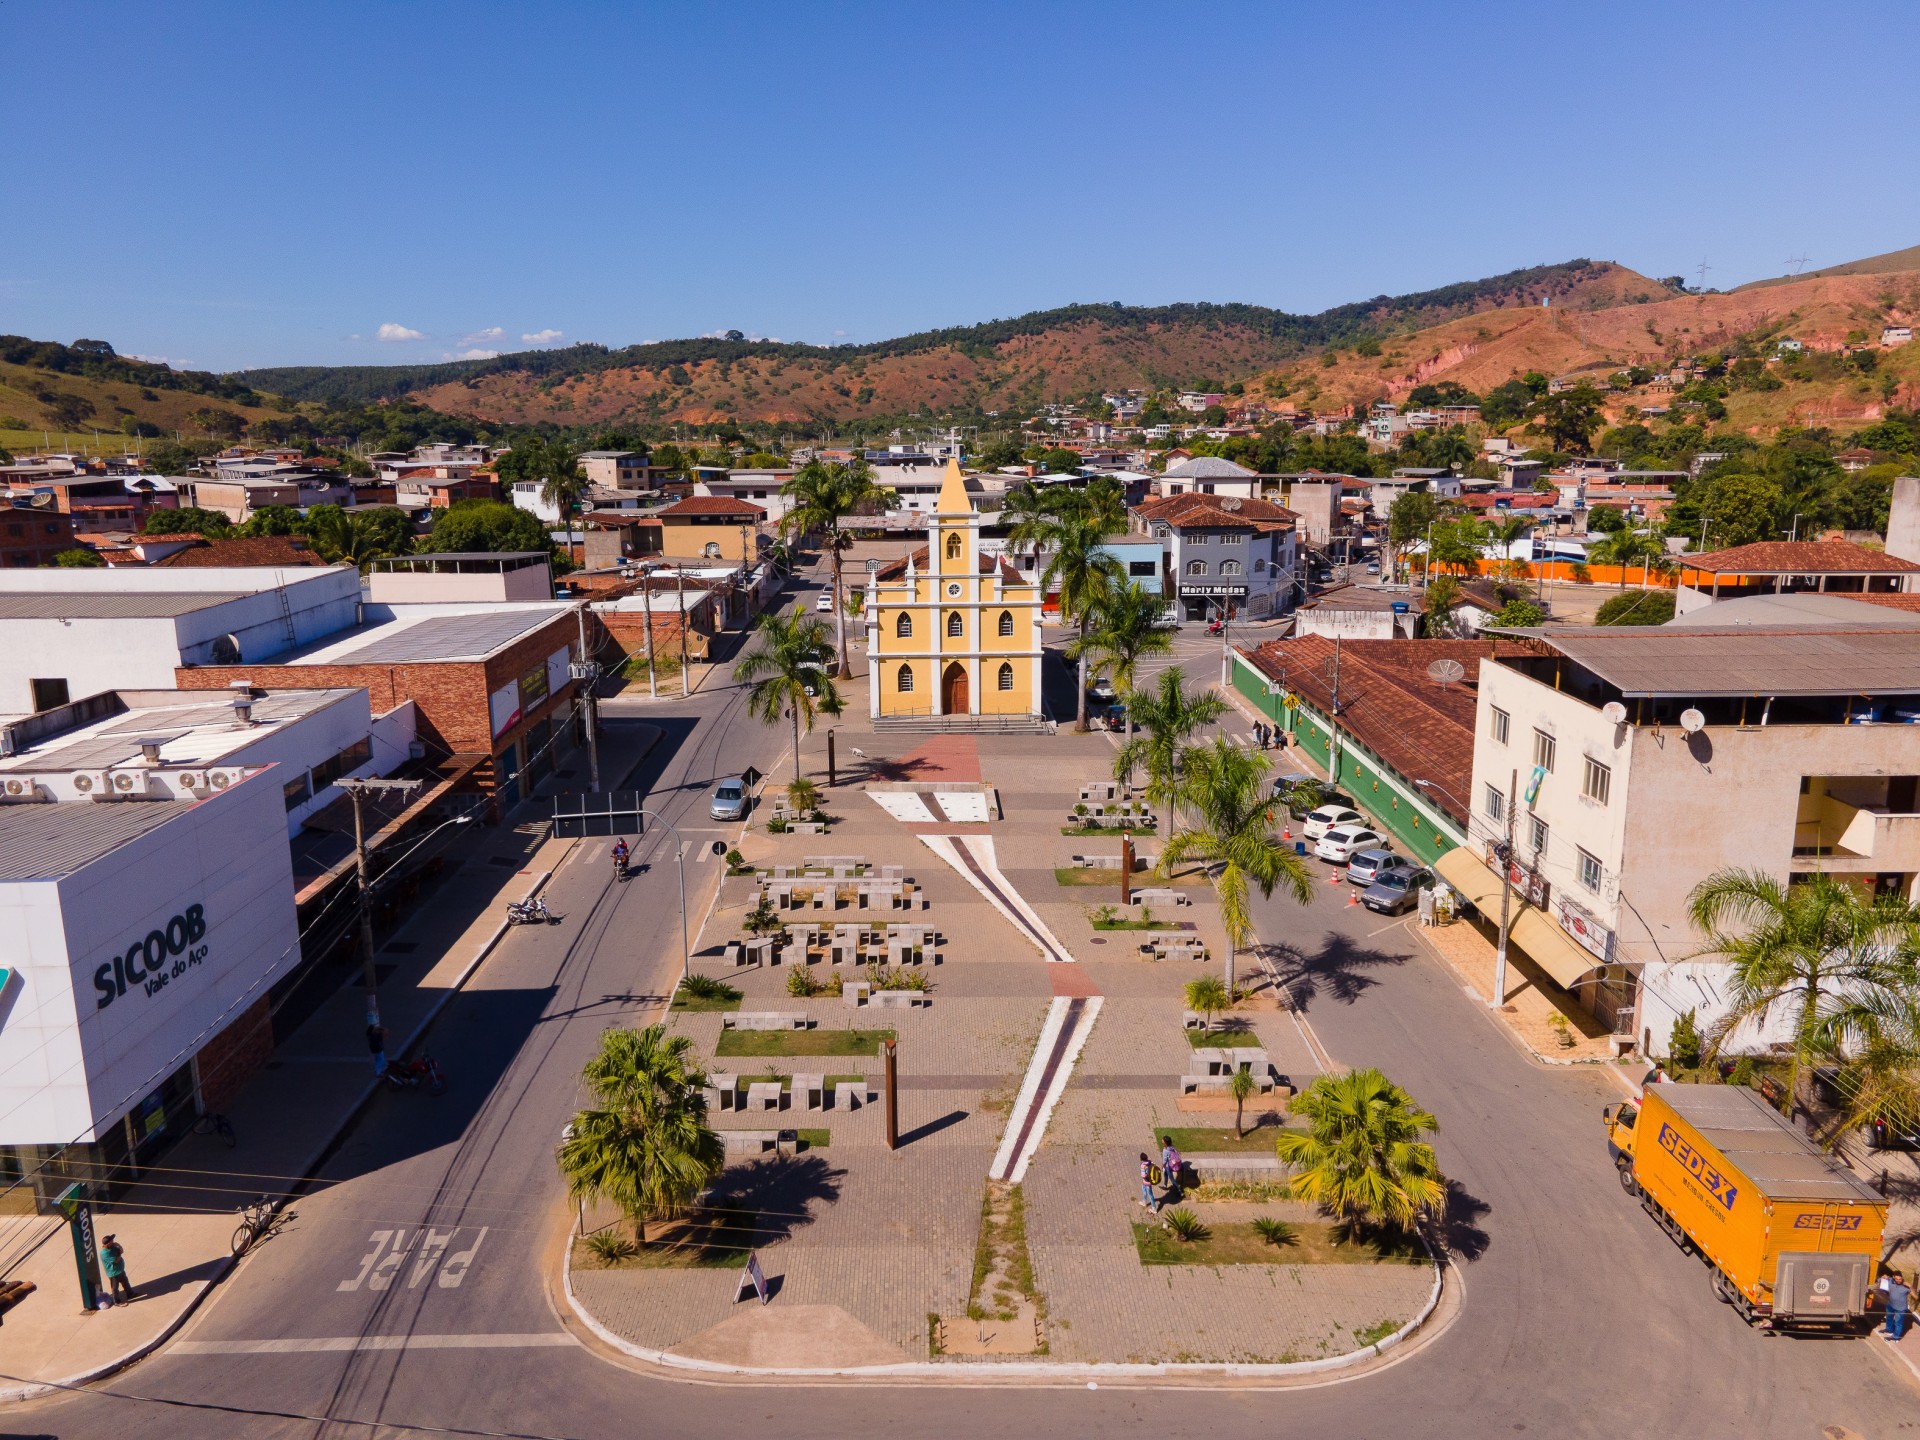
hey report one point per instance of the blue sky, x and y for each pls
(253, 184)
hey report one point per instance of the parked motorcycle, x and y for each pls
(414, 1074)
(529, 912)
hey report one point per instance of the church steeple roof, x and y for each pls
(953, 493)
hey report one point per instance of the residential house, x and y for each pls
(617, 469)
(1208, 475)
(33, 529)
(1789, 566)
(1226, 554)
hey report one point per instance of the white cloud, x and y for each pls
(542, 337)
(391, 331)
(482, 337)
(471, 355)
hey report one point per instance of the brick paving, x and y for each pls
(889, 1236)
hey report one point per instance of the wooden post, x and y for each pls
(1126, 870)
(890, 1050)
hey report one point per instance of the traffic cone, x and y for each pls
(1286, 832)
(1335, 878)
(1353, 899)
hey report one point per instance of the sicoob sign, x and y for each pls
(151, 963)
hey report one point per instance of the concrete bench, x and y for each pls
(763, 950)
(1160, 896)
(1097, 862)
(1193, 1020)
(764, 1095)
(851, 1095)
(898, 999)
(1217, 1084)
(809, 1092)
(723, 1090)
(827, 862)
(765, 1020)
(854, 992)
(1100, 790)
(758, 1142)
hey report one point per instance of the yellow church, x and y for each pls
(951, 631)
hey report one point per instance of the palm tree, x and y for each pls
(1837, 965)
(822, 497)
(1240, 1085)
(789, 674)
(1208, 996)
(1223, 794)
(1362, 1155)
(1085, 576)
(1125, 629)
(1169, 717)
(1623, 547)
(645, 1143)
(564, 483)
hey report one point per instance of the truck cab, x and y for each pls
(1619, 1119)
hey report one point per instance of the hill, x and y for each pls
(1482, 351)
(1892, 261)
(1004, 365)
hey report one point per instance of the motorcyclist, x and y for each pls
(620, 857)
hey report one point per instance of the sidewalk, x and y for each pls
(177, 1224)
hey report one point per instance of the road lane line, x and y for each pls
(338, 1344)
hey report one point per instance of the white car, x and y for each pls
(1343, 842)
(825, 602)
(1318, 822)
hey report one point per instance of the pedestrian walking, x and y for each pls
(1147, 1176)
(377, 1047)
(1169, 1170)
(114, 1259)
(1899, 1300)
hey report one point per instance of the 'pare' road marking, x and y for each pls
(429, 1248)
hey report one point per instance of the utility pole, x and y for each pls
(680, 591)
(587, 672)
(646, 601)
(1505, 854)
(890, 1048)
(359, 790)
(1333, 720)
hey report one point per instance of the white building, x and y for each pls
(72, 633)
(1209, 475)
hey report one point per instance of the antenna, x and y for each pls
(1796, 261)
(1702, 269)
(1444, 672)
(1692, 721)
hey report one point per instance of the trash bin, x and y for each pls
(1300, 847)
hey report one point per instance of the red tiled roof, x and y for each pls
(1892, 602)
(253, 550)
(713, 505)
(1387, 702)
(1798, 557)
(1212, 511)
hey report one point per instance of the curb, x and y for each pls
(1090, 1373)
(306, 1169)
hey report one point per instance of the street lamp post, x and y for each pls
(1503, 850)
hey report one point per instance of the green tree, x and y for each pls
(272, 520)
(188, 520)
(1225, 809)
(1520, 613)
(1240, 1085)
(1818, 953)
(1443, 598)
(1208, 996)
(821, 499)
(1085, 576)
(1738, 510)
(1364, 1155)
(788, 673)
(1168, 718)
(474, 526)
(1570, 417)
(644, 1143)
(1608, 519)
(563, 484)
(1627, 548)
(1648, 607)
(1125, 629)
(1059, 460)
(1407, 521)
(358, 539)
(1506, 405)
(77, 559)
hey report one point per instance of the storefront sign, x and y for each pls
(152, 963)
(86, 1254)
(1529, 885)
(533, 687)
(1585, 927)
(1230, 592)
(503, 707)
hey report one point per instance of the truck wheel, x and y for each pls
(1627, 1182)
(1723, 1287)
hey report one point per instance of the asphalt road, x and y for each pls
(1581, 1319)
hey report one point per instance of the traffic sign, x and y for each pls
(750, 775)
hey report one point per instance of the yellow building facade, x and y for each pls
(950, 632)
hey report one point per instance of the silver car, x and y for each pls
(1396, 890)
(729, 799)
(1370, 865)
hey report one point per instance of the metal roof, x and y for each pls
(46, 842)
(1743, 660)
(446, 637)
(112, 605)
(1782, 1163)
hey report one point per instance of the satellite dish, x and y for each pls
(1692, 721)
(1445, 672)
(1229, 504)
(1614, 712)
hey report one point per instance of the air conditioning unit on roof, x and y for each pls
(127, 782)
(93, 782)
(192, 781)
(20, 787)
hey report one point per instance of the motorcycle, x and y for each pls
(620, 867)
(412, 1074)
(1214, 627)
(529, 912)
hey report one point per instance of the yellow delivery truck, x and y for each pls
(1790, 1235)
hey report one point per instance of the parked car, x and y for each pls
(1373, 567)
(1396, 889)
(1369, 865)
(824, 603)
(729, 799)
(1102, 692)
(1320, 821)
(1343, 842)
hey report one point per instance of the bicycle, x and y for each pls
(256, 1219)
(213, 1123)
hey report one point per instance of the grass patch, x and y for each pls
(1196, 1140)
(1376, 1332)
(1235, 1039)
(814, 1139)
(1108, 830)
(1108, 877)
(685, 1004)
(1136, 925)
(702, 1240)
(801, 1042)
(1315, 1242)
(1002, 1266)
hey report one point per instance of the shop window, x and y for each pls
(905, 683)
(1006, 624)
(956, 625)
(903, 627)
(1006, 676)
